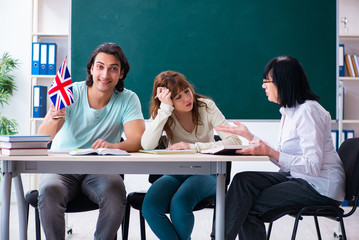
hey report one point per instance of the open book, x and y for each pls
(226, 149)
(99, 151)
(164, 151)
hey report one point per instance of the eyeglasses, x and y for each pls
(267, 81)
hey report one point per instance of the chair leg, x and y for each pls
(213, 222)
(295, 227)
(317, 227)
(27, 205)
(126, 222)
(269, 231)
(344, 236)
(37, 224)
(143, 226)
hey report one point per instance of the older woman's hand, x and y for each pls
(240, 129)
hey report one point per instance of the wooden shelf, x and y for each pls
(36, 119)
(43, 76)
(351, 121)
(62, 35)
(348, 78)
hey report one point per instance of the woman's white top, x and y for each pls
(306, 149)
(201, 139)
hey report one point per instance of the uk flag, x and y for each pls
(60, 91)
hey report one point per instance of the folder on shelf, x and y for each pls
(43, 58)
(335, 138)
(51, 70)
(35, 69)
(39, 101)
(348, 134)
(341, 60)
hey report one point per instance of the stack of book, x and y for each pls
(24, 145)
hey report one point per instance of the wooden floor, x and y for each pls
(83, 225)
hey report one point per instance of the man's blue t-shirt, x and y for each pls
(84, 125)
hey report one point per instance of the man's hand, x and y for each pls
(102, 144)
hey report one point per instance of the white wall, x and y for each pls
(16, 40)
(349, 10)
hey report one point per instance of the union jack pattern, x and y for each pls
(60, 91)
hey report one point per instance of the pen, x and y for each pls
(59, 117)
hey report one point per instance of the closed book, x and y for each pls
(226, 149)
(24, 144)
(99, 151)
(348, 63)
(356, 62)
(354, 67)
(24, 151)
(22, 138)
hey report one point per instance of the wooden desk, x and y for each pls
(137, 163)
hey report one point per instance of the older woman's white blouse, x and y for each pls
(307, 151)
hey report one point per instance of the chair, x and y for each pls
(349, 154)
(80, 204)
(135, 199)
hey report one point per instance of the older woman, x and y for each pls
(311, 172)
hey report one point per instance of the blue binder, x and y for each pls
(348, 134)
(35, 70)
(341, 60)
(39, 101)
(43, 58)
(51, 64)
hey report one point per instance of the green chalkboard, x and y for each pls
(220, 46)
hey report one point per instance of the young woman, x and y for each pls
(188, 120)
(311, 172)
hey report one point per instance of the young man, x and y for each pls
(102, 111)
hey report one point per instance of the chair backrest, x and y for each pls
(349, 154)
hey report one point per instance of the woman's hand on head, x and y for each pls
(164, 95)
(260, 149)
(240, 129)
(179, 146)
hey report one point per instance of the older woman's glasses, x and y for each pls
(267, 81)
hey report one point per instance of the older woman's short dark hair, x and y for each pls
(115, 50)
(292, 83)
